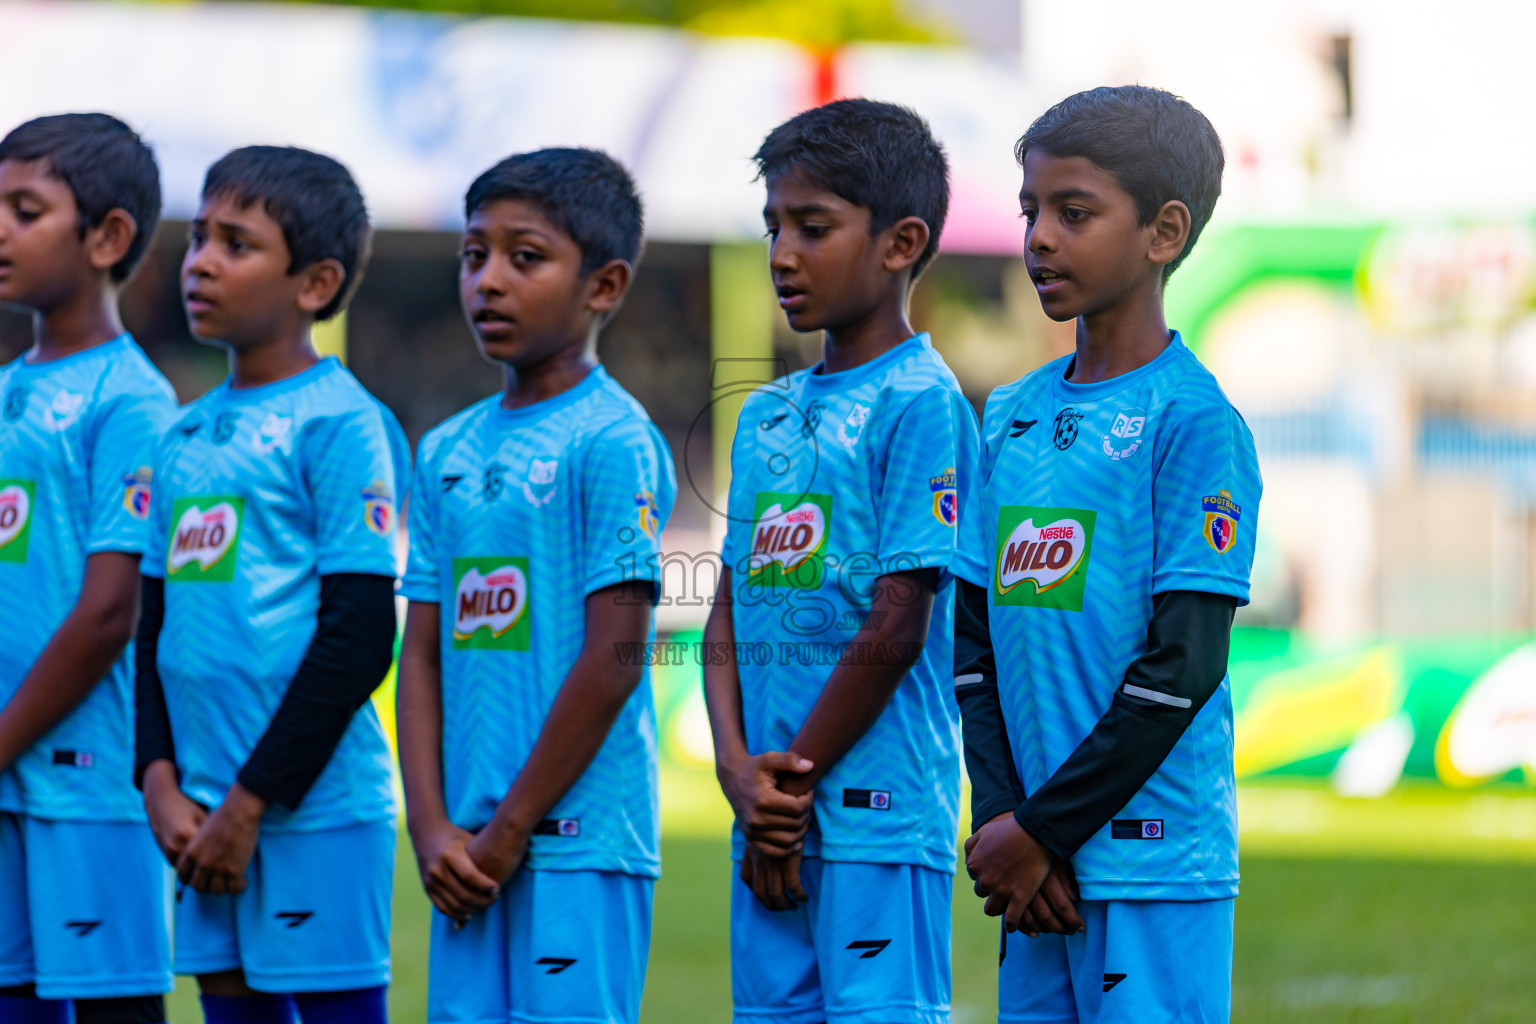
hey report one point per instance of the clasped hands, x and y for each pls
(773, 821)
(1030, 888)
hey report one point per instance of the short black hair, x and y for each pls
(1158, 147)
(880, 156)
(585, 192)
(313, 199)
(104, 163)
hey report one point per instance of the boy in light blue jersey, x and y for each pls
(1116, 508)
(829, 642)
(269, 614)
(527, 725)
(83, 891)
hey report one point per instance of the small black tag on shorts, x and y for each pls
(873, 799)
(1136, 828)
(74, 758)
(558, 827)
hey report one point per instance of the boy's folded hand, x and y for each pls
(454, 884)
(498, 852)
(771, 819)
(215, 859)
(1009, 867)
(174, 817)
(775, 881)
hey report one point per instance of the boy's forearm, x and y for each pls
(1155, 703)
(995, 784)
(419, 716)
(79, 654)
(859, 688)
(722, 683)
(347, 659)
(590, 700)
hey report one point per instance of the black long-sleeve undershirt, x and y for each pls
(347, 658)
(1162, 692)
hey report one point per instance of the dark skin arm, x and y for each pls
(83, 648)
(455, 885)
(595, 690)
(773, 822)
(857, 691)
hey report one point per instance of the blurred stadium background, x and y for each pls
(1366, 293)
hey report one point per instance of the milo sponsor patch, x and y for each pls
(1042, 556)
(205, 539)
(490, 604)
(789, 539)
(15, 518)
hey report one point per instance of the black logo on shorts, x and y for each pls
(556, 964)
(1111, 980)
(82, 928)
(451, 480)
(294, 918)
(772, 421)
(15, 404)
(1066, 429)
(871, 947)
(1021, 427)
(224, 426)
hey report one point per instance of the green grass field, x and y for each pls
(1319, 939)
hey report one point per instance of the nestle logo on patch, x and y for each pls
(870, 799)
(1058, 533)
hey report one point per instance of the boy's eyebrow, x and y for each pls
(799, 211)
(1061, 195)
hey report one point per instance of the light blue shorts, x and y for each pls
(558, 946)
(1139, 962)
(871, 947)
(84, 908)
(315, 917)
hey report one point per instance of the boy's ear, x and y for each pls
(1170, 233)
(908, 239)
(108, 242)
(607, 284)
(320, 281)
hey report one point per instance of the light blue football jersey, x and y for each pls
(1091, 499)
(516, 516)
(77, 438)
(259, 492)
(837, 479)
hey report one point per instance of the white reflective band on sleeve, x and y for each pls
(1161, 698)
(969, 677)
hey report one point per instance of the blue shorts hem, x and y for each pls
(335, 979)
(809, 1014)
(523, 1018)
(890, 1013)
(97, 986)
(1013, 1018)
(193, 965)
(12, 978)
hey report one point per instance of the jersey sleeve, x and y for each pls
(738, 519)
(627, 490)
(349, 467)
(1205, 504)
(973, 537)
(158, 525)
(421, 568)
(121, 453)
(918, 501)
